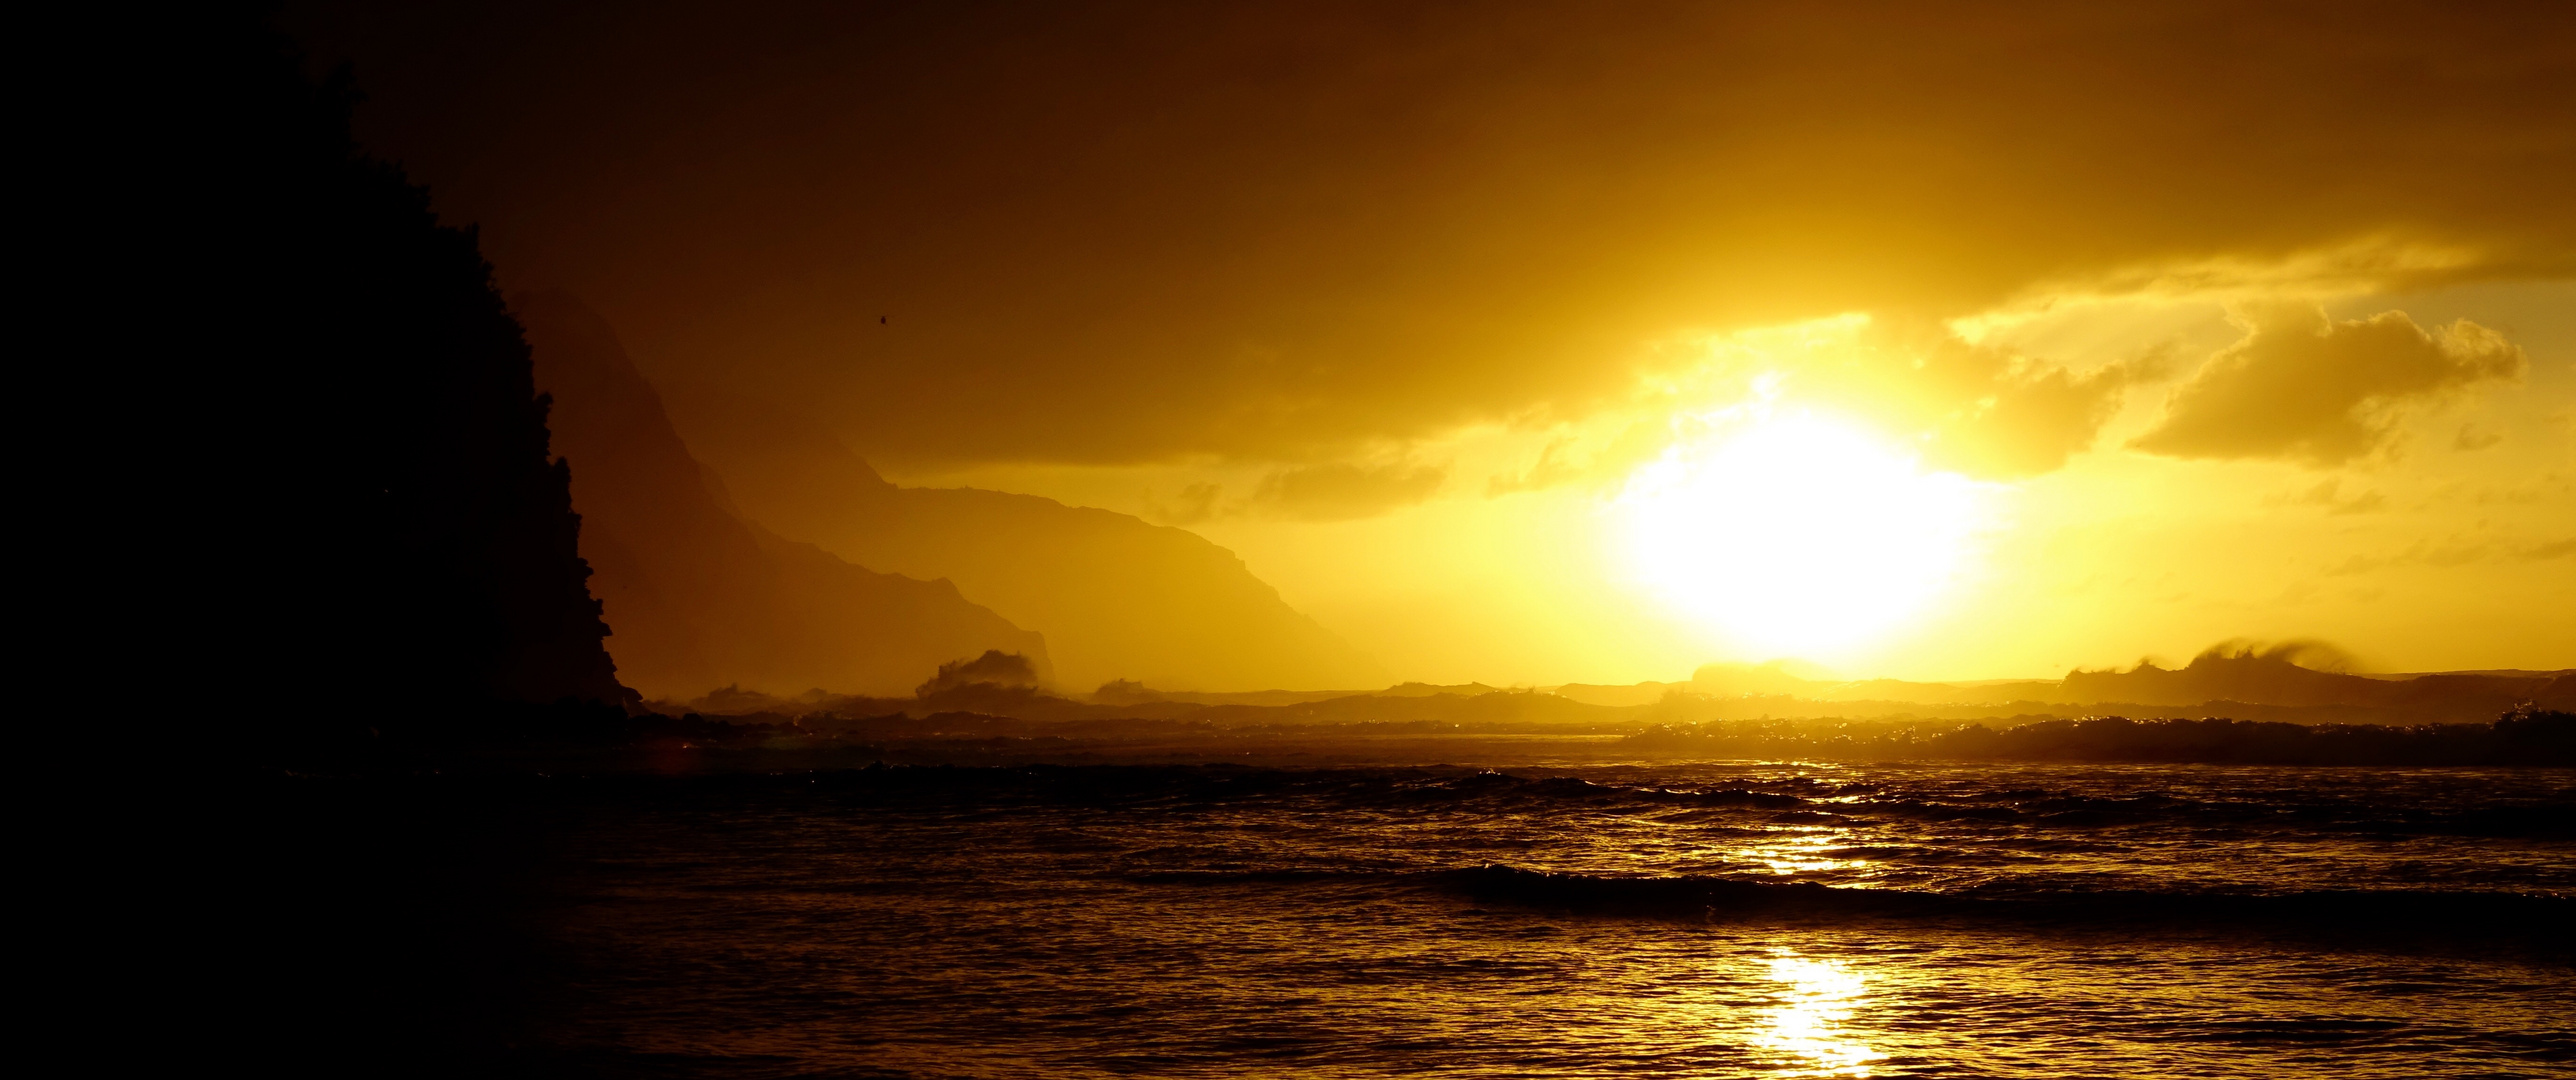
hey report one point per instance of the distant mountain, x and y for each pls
(698, 596)
(1117, 597)
(2224, 680)
(2273, 676)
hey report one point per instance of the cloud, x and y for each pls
(2374, 264)
(1975, 409)
(1342, 491)
(1196, 503)
(1567, 460)
(2329, 494)
(2029, 418)
(2456, 552)
(1291, 231)
(1980, 410)
(2471, 438)
(1333, 491)
(1553, 469)
(2302, 387)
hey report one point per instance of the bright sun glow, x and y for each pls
(1797, 535)
(1819, 998)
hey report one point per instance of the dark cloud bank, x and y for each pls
(1286, 232)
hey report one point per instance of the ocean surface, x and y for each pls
(1710, 920)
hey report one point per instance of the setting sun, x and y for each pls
(1796, 534)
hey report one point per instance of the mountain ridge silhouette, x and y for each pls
(1116, 596)
(697, 594)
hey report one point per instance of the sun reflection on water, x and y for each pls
(1801, 852)
(1817, 997)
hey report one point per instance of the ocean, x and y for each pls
(1726, 919)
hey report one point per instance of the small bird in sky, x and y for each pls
(880, 320)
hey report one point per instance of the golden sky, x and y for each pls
(1532, 343)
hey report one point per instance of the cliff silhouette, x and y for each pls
(365, 492)
(700, 596)
(1117, 597)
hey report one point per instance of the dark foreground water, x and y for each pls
(1699, 920)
